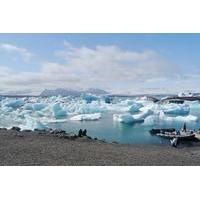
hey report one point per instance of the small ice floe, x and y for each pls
(86, 117)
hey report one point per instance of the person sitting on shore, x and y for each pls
(85, 132)
(80, 133)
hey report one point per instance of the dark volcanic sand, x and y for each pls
(29, 148)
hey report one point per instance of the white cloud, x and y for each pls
(24, 53)
(106, 67)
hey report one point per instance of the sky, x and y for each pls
(117, 63)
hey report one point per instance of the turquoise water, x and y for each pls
(110, 130)
(105, 128)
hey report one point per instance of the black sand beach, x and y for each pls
(36, 148)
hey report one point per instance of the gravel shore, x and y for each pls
(34, 148)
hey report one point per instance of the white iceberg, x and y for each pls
(86, 117)
(176, 109)
(123, 118)
(151, 120)
(129, 119)
(32, 123)
(188, 118)
(85, 108)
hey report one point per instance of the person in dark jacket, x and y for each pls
(80, 133)
(85, 132)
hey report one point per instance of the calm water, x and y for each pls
(110, 130)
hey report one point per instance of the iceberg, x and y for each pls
(15, 103)
(123, 118)
(176, 109)
(38, 106)
(107, 99)
(141, 116)
(135, 107)
(129, 119)
(188, 118)
(84, 108)
(154, 108)
(86, 117)
(32, 123)
(151, 120)
(34, 106)
(28, 106)
(58, 111)
(90, 98)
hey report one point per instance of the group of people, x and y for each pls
(82, 133)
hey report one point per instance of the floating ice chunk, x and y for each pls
(32, 123)
(135, 107)
(90, 98)
(143, 115)
(15, 103)
(123, 118)
(151, 120)
(24, 113)
(194, 107)
(47, 120)
(154, 108)
(188, 118)
(28, 106)
(38, 106)
(84, 108)
(129, 119)
(34, 106)
(58, 111)
(176, 109)
(86, 117)
(5, 109)
(107, 99)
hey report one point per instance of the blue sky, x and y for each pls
(119, 63)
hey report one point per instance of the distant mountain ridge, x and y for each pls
(70, 92)
(96, 91)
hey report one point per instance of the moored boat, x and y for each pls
(161, 130)
(182, 135)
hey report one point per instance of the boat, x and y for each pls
(188, 135)
(161, 130)
(176, 101)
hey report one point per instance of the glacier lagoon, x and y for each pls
(120, 119)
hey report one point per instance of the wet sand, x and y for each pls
(37, 148)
